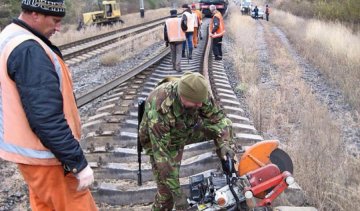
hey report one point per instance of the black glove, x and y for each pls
(225, 149)
(228, 166)
(167, 44)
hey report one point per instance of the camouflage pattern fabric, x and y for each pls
(167, 127)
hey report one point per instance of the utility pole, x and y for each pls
(173, 4)
(142, 10)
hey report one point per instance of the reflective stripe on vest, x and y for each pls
(174, 31)
(221, 30)
(196, 20)
(198, 17)
(190, 22)
(18, 143)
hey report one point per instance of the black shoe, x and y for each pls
(218, 58)
(183, 54)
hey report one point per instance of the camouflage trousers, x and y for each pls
(166, 163)
(166, 175)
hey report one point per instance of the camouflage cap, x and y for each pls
(193, 87)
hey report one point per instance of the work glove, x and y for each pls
(85, 177)
(225, 149)
(228, 163)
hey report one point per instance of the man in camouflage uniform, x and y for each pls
(177, 113)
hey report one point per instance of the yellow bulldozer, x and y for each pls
(109, 13)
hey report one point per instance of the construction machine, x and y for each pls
(261, 174)
(109, 13)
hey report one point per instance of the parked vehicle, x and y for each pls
(245, 7)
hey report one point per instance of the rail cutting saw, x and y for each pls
(262, 173)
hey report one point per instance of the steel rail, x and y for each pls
(105, 42)
(97, 92)
(99, 36)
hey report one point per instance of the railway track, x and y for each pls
(78, 51)
(110, 135)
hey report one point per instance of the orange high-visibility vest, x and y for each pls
(198, 17)
(221, 30)
(174, 31)
(190, 21)
(18, 143)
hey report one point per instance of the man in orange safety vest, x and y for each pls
(39, 124)
(174, 34)
(198, 21)
(217, 31)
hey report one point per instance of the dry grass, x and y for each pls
(244, 55)
(70, 34)
(345, 11)
(131, 46)
(288, 110)
(332, 47)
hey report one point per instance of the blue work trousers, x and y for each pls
(189, 38)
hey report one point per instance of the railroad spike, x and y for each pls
(109, 147)
(91, 148)
(99, 131)
(100, 161)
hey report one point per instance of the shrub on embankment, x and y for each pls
(344, 11)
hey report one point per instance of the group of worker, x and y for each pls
(40, 124)
(182, 33)
(267, 12)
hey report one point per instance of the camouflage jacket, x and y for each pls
(168, 125)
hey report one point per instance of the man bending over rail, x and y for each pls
(180, 112)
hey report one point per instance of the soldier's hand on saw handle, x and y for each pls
(224, 150)
(85, 177)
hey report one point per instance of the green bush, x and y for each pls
(4, 14)
(347, 11)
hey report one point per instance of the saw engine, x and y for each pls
(263, 173)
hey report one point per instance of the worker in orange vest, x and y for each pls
(198, 21)
(174, 34)
(217, 31)
(189, 20)
(40, 123)
(267, 12)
